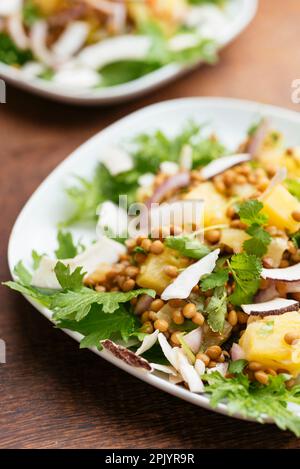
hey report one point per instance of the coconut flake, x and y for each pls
(168, 351)
(186, 158)
(126, 355)
(222, 164)
(194, 339)
(10, 7)
(146, 180)
(116, 160)
(127, 47)
(104, 251)
(169, 370)
(175, 379)
(189, 278)
(273, 307)
(200, 367)
(113, 220)
(276, 249)
(32, 69)
(147, 343)
(188, 372)
(220, 368)
(169, 167)
(286, 274)
(17, 32)
(77, 78)
(71, 40)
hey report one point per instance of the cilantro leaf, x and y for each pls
(216, 279)
(22, 273)
(187, 246)
(253, 400)
(98, 325)
(10, 54)
(259, 242)
(246, 270)
(249, 213)
(66, 247)
(36, 259)
(237, 366)
(296, 239)
(68, 280)
(217, 309)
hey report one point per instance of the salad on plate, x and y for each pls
(87, 44)
(211, 301)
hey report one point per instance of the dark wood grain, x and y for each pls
(52, 394)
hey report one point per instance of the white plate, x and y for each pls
(239, 12)
(36, 225)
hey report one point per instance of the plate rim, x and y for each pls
(126, 91)
(154, 379)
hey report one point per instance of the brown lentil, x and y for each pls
(189, 310)
(174, 338)
(238, 224)
(198, 319)
(176, 303)
(230, 212)
(291, 337)
(131, 271)
(255, 366)
(128, 285)
(157, 247)
(100, 288)
(177, 316)
(232, 318)
(296, 215)
(161, 325)
(214, 352)
(153, 315)
(147, 327)
(261, 377)
(140, 257)
(212, 364)
(213, 236)
(242, 317)
(157, 304)
(290, 383)
(270, 371)
(145, 317)
(171, 271)
(205, 358)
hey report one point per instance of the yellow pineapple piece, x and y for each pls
(152, 271)
(234, 239)
(279, 205)
(215, 204)
(291, 161)
(263, 342)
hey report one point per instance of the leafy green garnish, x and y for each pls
(125, 71)
(253, 400)
(10, 54)
(217, 309)
(22, 273)
(296, 239)
(187, 246)
(237, 366)
(36, 259)
(246, 270)
(213, 280)
(68, 280)
(66, 247)
(250, 213)
(31, 13)
(293, 186)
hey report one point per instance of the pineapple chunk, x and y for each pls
(291, 161)
(279, 205)
(152, 271)
(215, 205)
(48, 7)
(234, 239)
(263, 342)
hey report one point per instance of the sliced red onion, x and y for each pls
(194, 339)
(143, 304)
(258, 138)
(126, 355)
(147, 343)
(286, 274)
(182, 286)
(17, 32)
(178, 181)
(71, 40)
(237, 353)
(105, 251)
(222, 164)
(267, 294)
(186, 158)
(272, 307)
(279, 177)
(188, 372)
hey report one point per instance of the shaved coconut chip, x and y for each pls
(286, 274)
(77, 78)
(222, 164)
(10, 7)
(32, 69)
(279, 177)
(175, 379)
(147, 343)
(71, 40)
(126, 355)
(276, 249)
(189, 374)
(104, 251)
(169, 167)
(38, 39)
(194, 339)
(273, 307)
(186, 158)
(116, 160)
(220, 368)
(189, 278)
(200, 367)
(169, 370)
(113, 221)
(146, 180)
(17, 32)
(129, 47)
(237, 353)
(168, 351)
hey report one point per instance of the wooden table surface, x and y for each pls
(52, 394)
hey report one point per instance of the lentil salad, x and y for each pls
(235, 335)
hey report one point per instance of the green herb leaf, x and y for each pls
(36, 259)
(66, 247)
(237, 366)
(10, 54)
(259, 242)
(187, 246)
(68, 280)
(22, 273)
(249, 213)
(216, 279)
(217, 309)
(246, 270)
